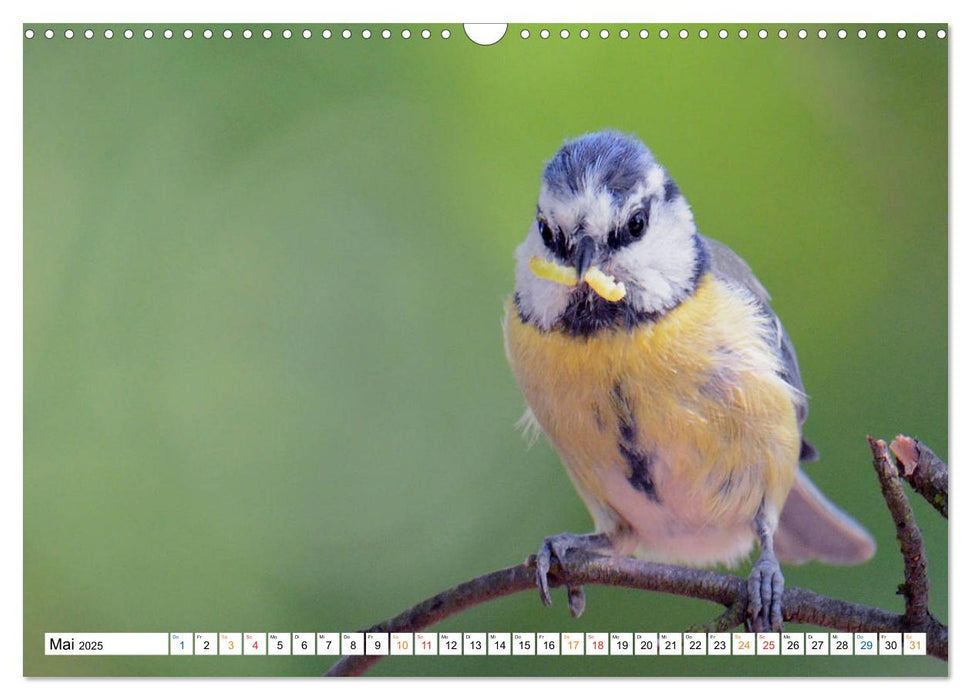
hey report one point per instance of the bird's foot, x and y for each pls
(765, 587)
(554, 548)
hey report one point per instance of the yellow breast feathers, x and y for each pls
(672, 430)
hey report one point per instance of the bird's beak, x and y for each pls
(584, 255)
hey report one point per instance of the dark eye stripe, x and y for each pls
(555, 241)
(620, 237)
(545, 232)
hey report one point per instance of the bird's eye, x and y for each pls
(546, 232)
(636, 224)
(635, 229)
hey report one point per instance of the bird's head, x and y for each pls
(606, 205)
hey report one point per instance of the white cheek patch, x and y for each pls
(661, 266)
(541, 300)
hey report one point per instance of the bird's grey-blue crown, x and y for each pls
(609, 160)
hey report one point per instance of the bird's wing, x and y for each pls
(810, 526)
(727, 266)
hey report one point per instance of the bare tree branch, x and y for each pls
(922, 469)
(798, 605)
(915, 588)
(578, 568)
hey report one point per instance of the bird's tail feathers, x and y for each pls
(810, 527)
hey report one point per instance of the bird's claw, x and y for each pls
(554, 548)
(765, 587)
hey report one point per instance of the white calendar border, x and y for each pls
(503, 10)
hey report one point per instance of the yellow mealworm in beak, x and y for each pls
(603, 284)
(548, 270)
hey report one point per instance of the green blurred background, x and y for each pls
(264, 384)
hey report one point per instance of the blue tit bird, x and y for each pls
(650, 358)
